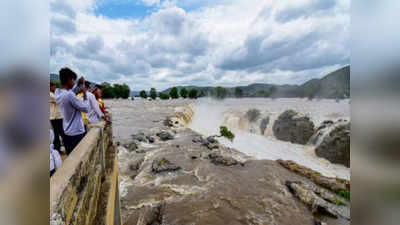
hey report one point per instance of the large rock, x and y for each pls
(218, 159)
(335, 146)
(163, 165)
(294, 127)
(165, 136)
(319, 201)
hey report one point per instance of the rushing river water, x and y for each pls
(210, 115)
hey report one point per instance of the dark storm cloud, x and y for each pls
(312, 7)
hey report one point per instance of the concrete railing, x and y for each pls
(84, 190)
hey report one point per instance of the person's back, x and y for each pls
(71, 108)
(71, 111)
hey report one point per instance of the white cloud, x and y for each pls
(230, 43)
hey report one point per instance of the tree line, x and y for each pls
(116, 91)
(173, 94)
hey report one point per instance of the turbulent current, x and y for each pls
(260, 143)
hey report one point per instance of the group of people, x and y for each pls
(72, 107)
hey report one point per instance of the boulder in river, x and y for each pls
(294, 127)
(218, 159)
(335, 146)
(165, 135)
(132, 146)
(163, 165)
(139, 137)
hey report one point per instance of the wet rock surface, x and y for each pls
(213, 185)
(163, 165)
(317, 203)
(293, 127)
(165, 135)
(218, 159)
(330, 183)
(335, 146)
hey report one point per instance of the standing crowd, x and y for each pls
(73, 107)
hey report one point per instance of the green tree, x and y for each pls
(225, 132)
(193, 93)
(153, 93)
(143, 94)
(174, 93)
(163, 96)
(238, 92)
(183, 93)
(108, 92)
(220, 92)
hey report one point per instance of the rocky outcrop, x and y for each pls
(210, 142)
(165, 135)
(294, 127)
(132, 146)
(218, 159)
(335, 146)
(334, 184)
(163, 165)
(316, 201)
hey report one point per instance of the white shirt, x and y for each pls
(55, 158)
(71, 108)
(95, 114)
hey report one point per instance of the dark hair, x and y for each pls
(52, 83)
(66, 74)
(87, 84)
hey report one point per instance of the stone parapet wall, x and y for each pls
(81, 188)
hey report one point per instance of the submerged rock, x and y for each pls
(294, 127)
(132, 146)
(150, 139)
(139, 137)
(165, 136)
(335, 147)
(163, 165)
(212, 140)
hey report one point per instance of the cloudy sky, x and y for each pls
(163, 43)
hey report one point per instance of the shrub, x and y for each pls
(253, 115)
(193, 93)
(344, 193)
(184, 93)
(224, 132)
(164, 96)
(174, 93)
(153, 93)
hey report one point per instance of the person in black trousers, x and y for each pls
(56, 119)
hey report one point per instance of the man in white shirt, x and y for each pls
(71, 108)
(95, 114)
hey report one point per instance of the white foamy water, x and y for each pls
(210, 115)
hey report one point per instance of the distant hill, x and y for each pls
(334, 85)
